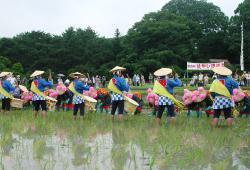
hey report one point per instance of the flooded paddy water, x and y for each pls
(59, 142)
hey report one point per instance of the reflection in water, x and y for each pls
(119, 153)
(6, 143)
(94, 143)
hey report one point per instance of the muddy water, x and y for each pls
(135, 143)
(57, 152)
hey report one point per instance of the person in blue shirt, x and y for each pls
(163, 101)
(118, 99)
(7, 86)
(78, 101)
(37, 100)
(223, 103)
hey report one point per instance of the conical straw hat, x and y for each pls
(117, 68)
(36, 73)
(162, 72)
(23, 88)
(4, 73)
(222, 71)
(76, 74)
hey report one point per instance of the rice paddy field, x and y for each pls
(59, 142)
(137, 142)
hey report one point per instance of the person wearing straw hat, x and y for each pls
(6, 89)
(79, 87)
(38, 87)
(117, 84)
(164, 88)
(221, 90)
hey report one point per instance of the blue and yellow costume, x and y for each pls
(39, 100)
(6, 85)
(78, 101)
(164, 101)
(222, 101)
(41, 85)
(118, 99)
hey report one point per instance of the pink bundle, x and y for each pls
(129, 95)
(53, 93)
(152, 98)
(91, 93)
(27, 96)
(61, 88)
(196, 96)
(187, 97)
(199, 95)
(238, 95)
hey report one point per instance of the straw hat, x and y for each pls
(4, 73)
(162, 72)
(76, 74)
(117, 68)
(23, 88)
(36, 73)
(222, 71)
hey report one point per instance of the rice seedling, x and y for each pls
(59, 142)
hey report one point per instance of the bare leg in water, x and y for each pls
(120, 117)
(215, 122)
(229, 122)
(44, 114)
(35, 113)
(158, 121)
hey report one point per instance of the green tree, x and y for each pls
(242, 16)
(4, 63)
(209, 16)
(17, 68)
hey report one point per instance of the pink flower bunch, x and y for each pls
(27, 96)
(187, 97)
(238, 95)
(53, 93)
(129, 95)
(91, 92)
(152, 98)
(61, 88)
(196, 96)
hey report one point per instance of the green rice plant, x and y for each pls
(189, 144)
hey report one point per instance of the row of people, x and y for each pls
(221, 91)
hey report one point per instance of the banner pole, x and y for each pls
(187, 76)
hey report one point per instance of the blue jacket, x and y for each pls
(42, 84)
(121, 83)
(230, 84)
(80, 87)
(8, 86)
(170, 84)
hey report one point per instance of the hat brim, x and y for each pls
(77, 75)
(163, 72)
(3, 74)
(23, 88)
(222, 71)
(37, 73)
(117, 68)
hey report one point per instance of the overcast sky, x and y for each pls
(104, 16)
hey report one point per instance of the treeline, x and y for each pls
(183, 30)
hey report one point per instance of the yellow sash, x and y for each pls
(4, 92)
(113, 88)
(218, 87)
(73, 90)
(38, 92)
(159, 89)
